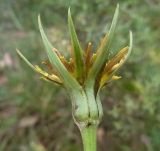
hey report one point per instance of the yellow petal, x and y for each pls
(103, 80)
(116, 77)
(55, 78)
(48, 76)
(106, 79)
(116, 61)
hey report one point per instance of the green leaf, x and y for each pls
(103, 50)
(67, 78)
(77, 50)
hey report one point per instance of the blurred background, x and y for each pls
(36, 115)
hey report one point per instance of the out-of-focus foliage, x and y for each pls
(35, 115)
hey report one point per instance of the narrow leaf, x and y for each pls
(77, 50)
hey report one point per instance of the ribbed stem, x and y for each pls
(89, 137)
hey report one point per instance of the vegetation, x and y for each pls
(35, 115)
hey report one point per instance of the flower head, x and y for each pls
(84, 68)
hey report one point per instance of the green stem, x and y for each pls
(89, 137)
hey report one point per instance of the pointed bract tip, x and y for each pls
(117, 5)
(114, 21)
(130, 40)
(39, 15)
(69, 9)
(17, 51)
(69, 12)
(131, 36)
(39, 19)
(25, 59)
(117, 9)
